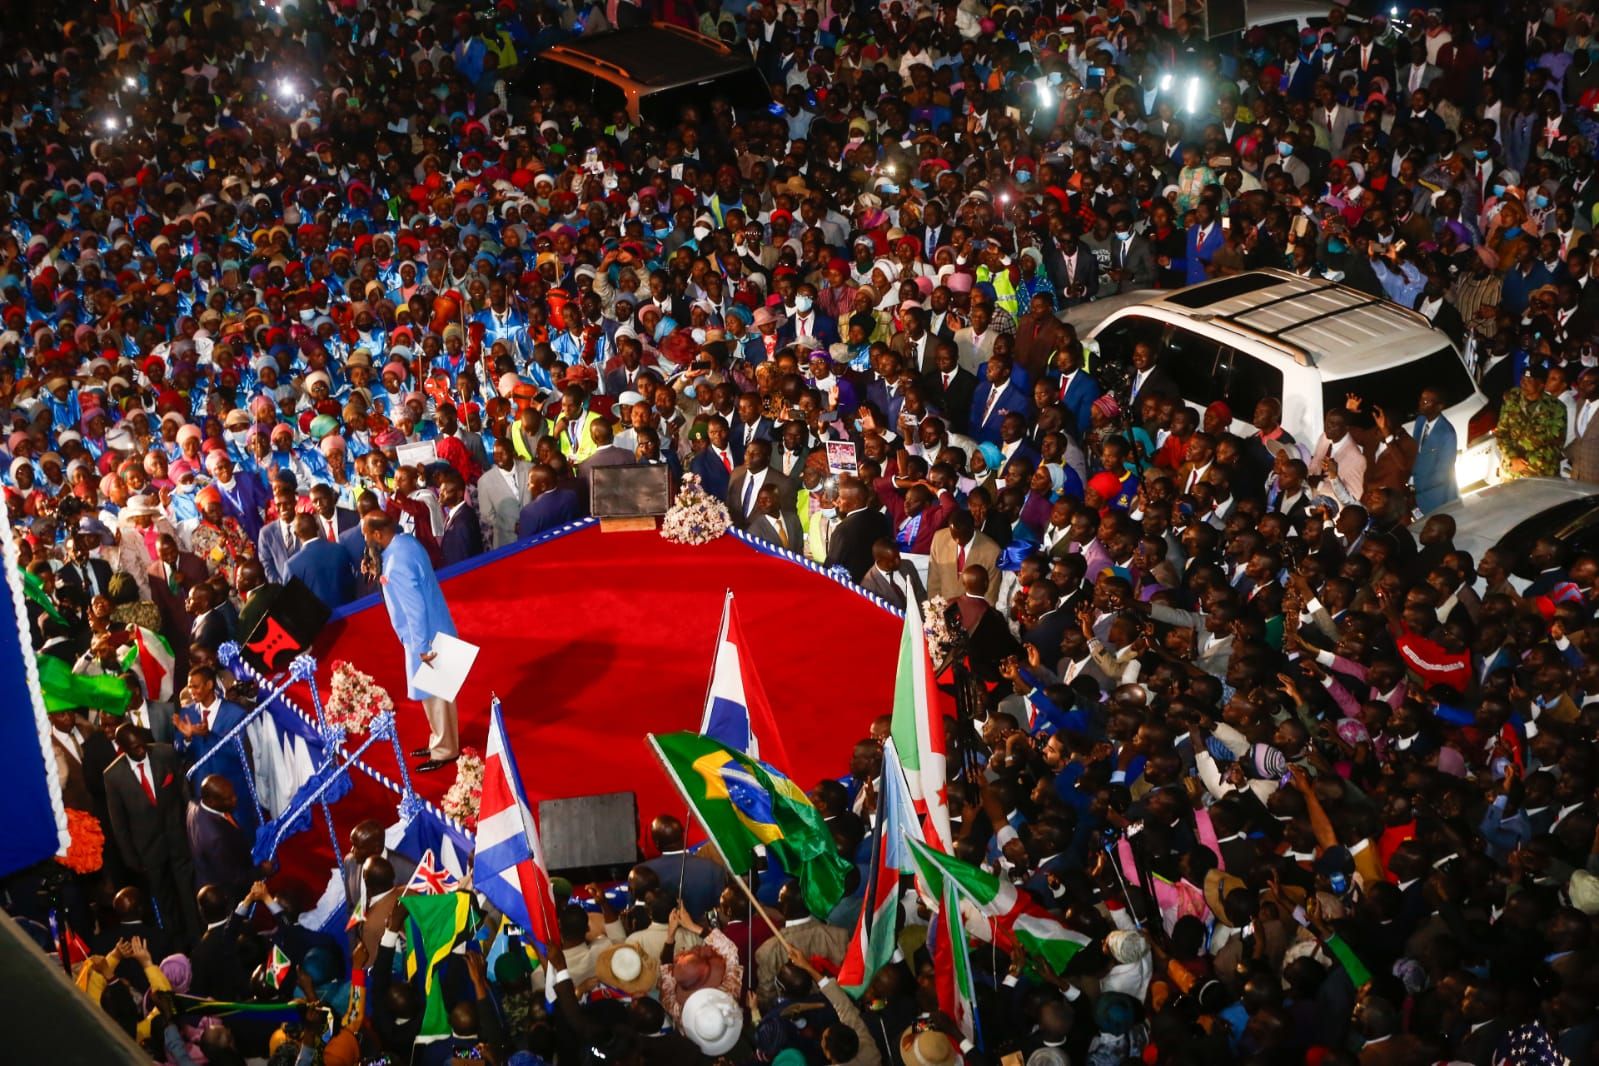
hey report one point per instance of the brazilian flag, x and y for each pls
(743, 803)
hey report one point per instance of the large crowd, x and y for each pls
(1317, 785)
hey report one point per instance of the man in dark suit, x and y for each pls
(132, 919)
(323, 566)
(1148, 378)
(891, 577)
(1072, 269)
(807, 321)
(217, 963)
(859, 527)
(147, 799)
(715, 463)
(1049, 623)
(171, 576)
(748, 481)
(995, 398)
(949, 388)
(463, 533)
(702, 881)
(220, 847)
(210, 626)
(82, 569)
(988, 638)
(548, 506)
(771, 522)
(336, 521)
(748, 425)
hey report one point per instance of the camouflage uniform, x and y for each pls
(1532, 430)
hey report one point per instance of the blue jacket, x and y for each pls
(714, 477)
(1434, 472)
(326, 570)
(1079, 400)
(1011, 399)
(416, 603)
(229, 762)
(545, 513)
(1200, 251)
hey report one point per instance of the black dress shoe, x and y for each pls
(422, 753)
(433, 764)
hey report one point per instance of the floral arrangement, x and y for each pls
(355, 699)
(466, 793)
(86, 843)
(695, 517)
(941, 636)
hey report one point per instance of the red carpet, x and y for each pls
(592, 639)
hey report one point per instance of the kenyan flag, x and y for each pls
(150, 656)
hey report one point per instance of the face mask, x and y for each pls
(860, 425)
(701, 232)
(661, 232)
(1024, 176)
(1055, 77)
(1480, 153)
(1284, 148)
(689, 390)
(1090, 113)
(1336, 247)
(1512, 231)
(1326, 48)
(1128, 146)
(828, 512)
(698, 335)
(1120, 236)
(803, 303)
(662, 328)
(1540, 200)
(197, 166)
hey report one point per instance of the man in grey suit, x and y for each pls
(771, 522)
(277, 542)
(367, 840)
(1583, 451)
(1132, 260)
(891, 577)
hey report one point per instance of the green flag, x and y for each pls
(743, 803)
(33, 589)
(438, 924)
(64, 690)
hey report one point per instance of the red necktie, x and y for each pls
(727, 461)
(231, 822)
(144, 780)
(960, 559)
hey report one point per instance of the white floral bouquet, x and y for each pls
(466, 793)
(941, 636)
(695, 517)
(355, 699)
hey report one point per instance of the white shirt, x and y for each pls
(753, 480)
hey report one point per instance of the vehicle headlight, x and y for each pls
(1477, 465)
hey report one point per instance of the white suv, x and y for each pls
(1309, 343)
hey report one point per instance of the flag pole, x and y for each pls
(756, 904)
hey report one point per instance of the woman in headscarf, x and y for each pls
(451, 450)
(218, 539)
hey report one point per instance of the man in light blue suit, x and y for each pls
(201, 725)
(1434, 472)
(419, 615)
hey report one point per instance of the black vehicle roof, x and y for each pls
(655, 57)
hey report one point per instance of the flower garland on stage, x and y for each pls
(466, 793)
(695, 517)
(355, 699)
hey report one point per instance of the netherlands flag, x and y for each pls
(509, 868)
(736, 711)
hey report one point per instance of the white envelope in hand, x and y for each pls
(444, 676)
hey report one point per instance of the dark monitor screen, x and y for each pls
(630, 491)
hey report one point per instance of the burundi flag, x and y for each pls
(438, 925)
(277, 968)
(743, 804)
(918, 730)
(874, 943)
(1016, 917)
(150, 656)
(952, 966)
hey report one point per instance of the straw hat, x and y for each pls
(625, 967)
(929, 1048)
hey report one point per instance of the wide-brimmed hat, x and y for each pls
(712, 1019)
(1218, 884)
(927, 1048)
(625, 967)
(698, 967)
